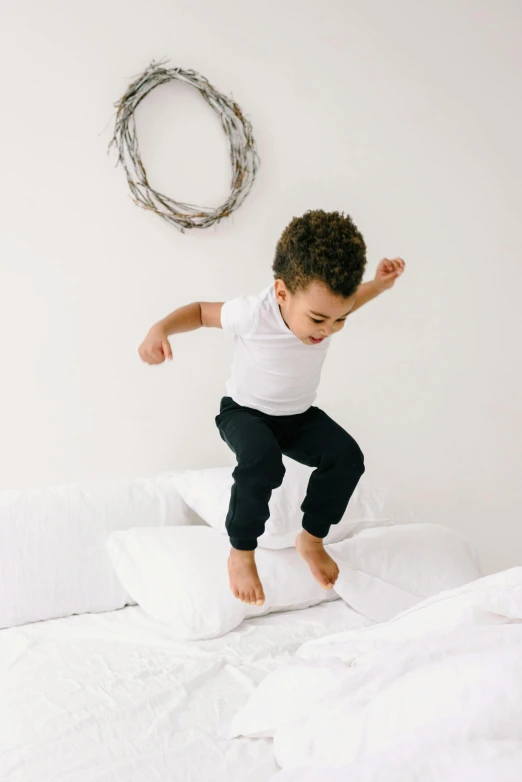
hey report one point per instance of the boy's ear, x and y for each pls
(281, 290)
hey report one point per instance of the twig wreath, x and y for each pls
(243, 155)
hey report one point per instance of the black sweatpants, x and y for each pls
(259, 440)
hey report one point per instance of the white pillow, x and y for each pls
(179, 576)
(387, 570)
(207, 492)
(53, 557)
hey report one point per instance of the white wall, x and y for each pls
(405, 115)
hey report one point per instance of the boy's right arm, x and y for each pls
(155, 348)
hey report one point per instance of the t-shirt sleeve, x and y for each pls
(239, 316)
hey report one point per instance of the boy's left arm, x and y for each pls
(385, 276)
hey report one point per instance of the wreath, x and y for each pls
(243, 154)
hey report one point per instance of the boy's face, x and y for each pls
(313, 313)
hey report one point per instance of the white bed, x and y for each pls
(111, 697)
(95, 685)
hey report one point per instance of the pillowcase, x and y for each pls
(387, 570)
(179, 576)
(53, 556)
(207, 492)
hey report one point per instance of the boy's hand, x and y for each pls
(387, 272)
(155, 348)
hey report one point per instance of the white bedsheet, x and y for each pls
(113, 698)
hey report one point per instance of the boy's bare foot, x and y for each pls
(323, 568)
(244, 580)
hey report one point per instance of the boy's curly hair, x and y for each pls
(323, 246)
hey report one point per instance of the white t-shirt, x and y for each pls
(273, 371)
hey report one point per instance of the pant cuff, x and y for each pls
(243, 544)
(315, 528)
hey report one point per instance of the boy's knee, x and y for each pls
(267, 462)
(350, 454)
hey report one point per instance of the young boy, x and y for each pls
(282, 336)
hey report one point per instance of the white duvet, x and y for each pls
(435, 694)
